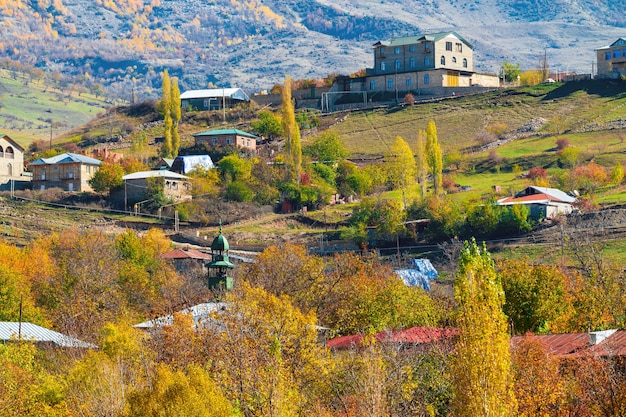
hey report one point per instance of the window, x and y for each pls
(390, 83)
(383, 66)
(228, 141)
(454, 60)
(443, 60)
(426, 79)
(427, 61)
(396, 50)
(206, 103)
(427, 46)
(412, 62)
(382, 51)
(459, 47)
(412, 48)
(607, 56)
(448, 46)
(214, 141)
(408, 81)
(88, 169)
(372, 85)
(617, 53)
(464, 62)
(397, 64)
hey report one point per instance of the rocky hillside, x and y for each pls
(124, 44)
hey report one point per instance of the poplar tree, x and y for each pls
(422, 164)
(166, 108)
(293, 147)
(434, 157)
(176, 116)
(481, 366)
(401, 166)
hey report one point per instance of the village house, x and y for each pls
(543, 203)
(213, 99)
(612, 60)
(188, 260)
(11, 160)
(139, 187)
(437, 64)
(68, 171)
(227, 137)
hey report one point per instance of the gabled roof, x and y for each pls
(236, 93)
(618, 42)
(538, 195)
(13, 143)
(66, 158)
(413, 335)
(200, 313)
(432, 37)
(187, 163)
(600, 343)
(154, 173)
(186, 254)
(32, 332)
(222, 132)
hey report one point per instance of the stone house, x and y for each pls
(213, 99)
(138, 187)
(542, 202)
(612, 60)
(227, 137)
(68, 171)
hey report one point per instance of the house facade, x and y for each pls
(213, 99)
(227, 137)
(68, 171)
(543, 203)
(11, 159)
(612, 60)
(138, 186)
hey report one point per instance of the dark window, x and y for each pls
(427, 61)
(412, 48)
(443, 60)
(459, 47)
(412, 62)
(390, 83)
(464, 62)
(454, 60)
(396, 50)
(408, 81)
(397, 64)
(372, 85)
(607, 56)
(426, 79)
(448, 46)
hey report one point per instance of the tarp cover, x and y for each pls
(186, 164)
(420, 275)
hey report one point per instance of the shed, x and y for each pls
(213, 99)
(542, 202)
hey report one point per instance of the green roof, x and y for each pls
(222, 264)
(221, 132)
(410, 40)
(220, 243)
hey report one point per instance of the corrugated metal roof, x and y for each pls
(186, 254)
(66, 158)
(236, 93)
(413, 335)
(32, 332)
(220, 132)
(154, 173)
(601, 343)
(433, 37)
(201, 315)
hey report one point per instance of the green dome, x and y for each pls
(220, 243)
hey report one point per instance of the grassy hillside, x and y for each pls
(29, 107)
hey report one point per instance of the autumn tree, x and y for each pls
(326, 148)
(510, 71)
(481, 367)
(434, 157)
(291, 131)
(401, 166)
(166, 109)
(268, 125)
(107, 177)
(175, 113)
(421, 160)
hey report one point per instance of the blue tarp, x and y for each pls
(420, 274)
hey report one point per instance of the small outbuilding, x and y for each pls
(213, 99)
(543, 203)
(187, 163)
(139, 187)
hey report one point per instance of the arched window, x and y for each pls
(372, 85)
(397, 63)
(454, 60)
(383, 66)
(412, 62)
(10, 170)
(427, 61)
(390, 83)
(464, 62)
(1, 152)
(443, 60)
(9, 152)
(426, 79)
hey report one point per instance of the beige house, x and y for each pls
(612, 60)
(137, 187)
(227, 137)
(68, 171)
(11, 159)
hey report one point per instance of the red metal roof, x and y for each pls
(186, 254)
(413, 335)
(579, 344)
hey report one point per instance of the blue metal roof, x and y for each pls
(66, 158)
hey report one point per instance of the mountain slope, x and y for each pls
(124, 44)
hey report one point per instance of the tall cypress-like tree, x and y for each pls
(422, 164)
(176, 114)
(434, 157)
(293, 147)
(481, 366)
(401, 166)
(166, 108)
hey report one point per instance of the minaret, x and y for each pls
(219, 265)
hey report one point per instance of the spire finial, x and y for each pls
(220, 226)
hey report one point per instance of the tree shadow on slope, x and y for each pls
(601, 88)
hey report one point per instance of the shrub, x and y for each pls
(409, 99)
(537, 172)
(561, 143)
(238, 191)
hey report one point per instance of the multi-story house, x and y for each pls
(227, 137)
(11, 159)
(612, 60)
(68, 171)
(431, 65)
